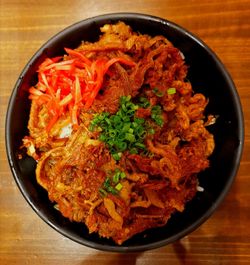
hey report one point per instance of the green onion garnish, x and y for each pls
(118, 186)
(103, 192)
(158, 93)
(151, 131)
(143, 102)
(171, 91)
(116, 156)
(122, 175)
(112, 182)
(116, 178)
(123, 130)
(156, 115)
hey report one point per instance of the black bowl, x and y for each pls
(207, 75)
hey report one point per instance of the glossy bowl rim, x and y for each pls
(239, 114)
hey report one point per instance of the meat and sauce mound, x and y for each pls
(118, 134)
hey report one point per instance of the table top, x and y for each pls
(225, 27)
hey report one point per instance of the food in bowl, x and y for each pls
(118, 134)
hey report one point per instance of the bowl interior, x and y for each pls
(206, 74)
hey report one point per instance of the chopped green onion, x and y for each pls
(112, 190)
(117, 119)
(156, 115)
(142, 146)
(121, 146)
(112, 133)
(156, 109)
(133, 151)
(103, 192)
(130, 137)
(112, 182)
(108, 187)
(107, 183)
(126, 127)
(102, 137)
(158, 93)
(116, 156)
(139, 120)
(143, 102)
(171, 91)
(122, 175)
(118, 186)
(151, 131)
(122, 130)
(116, 178)
(158, 120)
